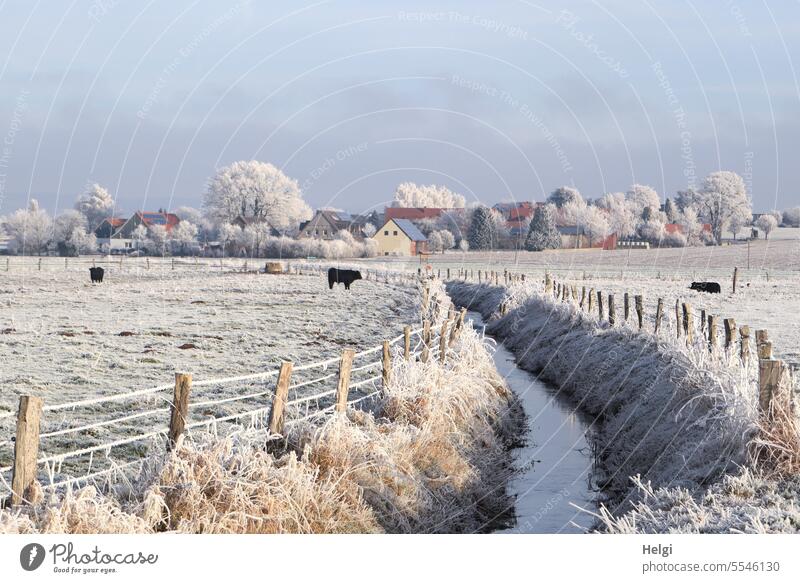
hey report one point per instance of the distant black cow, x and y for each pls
(710, 287)
(96, 273)
(345, 276)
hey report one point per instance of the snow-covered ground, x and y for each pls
(65, 339)
(767, 294)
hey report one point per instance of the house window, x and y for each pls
(385, 252)
(395, 233)
(316, 231)
(325, 231)
(386, 233)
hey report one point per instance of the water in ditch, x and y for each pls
(555, 464)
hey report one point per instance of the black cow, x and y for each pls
(96, 273)
(345, 276)
(710, 287)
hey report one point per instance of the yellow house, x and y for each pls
(400, 237)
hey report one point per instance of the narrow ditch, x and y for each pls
(555, 463)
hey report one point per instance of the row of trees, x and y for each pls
(260, 191)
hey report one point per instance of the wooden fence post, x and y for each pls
(406, 342)
(343, 388)
(278, 409)
(426, 340)
(548, 283)
(688, 322)
(730, 331)
(426, 298)
(678, 318)
(763, 345)
(702, 321)
(583, 296)
(386, 362)
(180, 408)
(735, 277)
(712, 332)
(443, 341)
(769, 380)
(612, 310)
(626, 306)
(448, 273)
(659, 314)
(26, 448)
(744, 332)
(590, 303)
(639, 306)
(600, 305)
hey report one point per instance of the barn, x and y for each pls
(400, 237)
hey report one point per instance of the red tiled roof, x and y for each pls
(412, 213)
(151, 219)
(115, 221)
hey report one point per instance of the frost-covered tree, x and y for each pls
(652, 231)
(621, 219)
(409, 194)
(184, 235)
(70, 236)
(723, 195)
(448, 240)
(463, 245)
(741, 218)
(671, 210)
(435, 242)
(369, 230)
(157, 239)
(685, 199)
(766, 224)
(96, 204)
(29, 230)
(228, 235)
(205, 227)
(641, 196)
(791, 217)
(482, 234)
(564, 195)
(139, 236)
(595, 224)
(542, 233)
(255, 189)
(571, 213)
(691, 226)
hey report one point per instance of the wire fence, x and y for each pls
(48, 445)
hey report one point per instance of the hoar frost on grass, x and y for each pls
(679, 438)
(432, 457)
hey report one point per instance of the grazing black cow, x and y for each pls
(345, 276)
(710, 287)
(96, 273)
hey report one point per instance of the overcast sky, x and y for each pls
(497, 100)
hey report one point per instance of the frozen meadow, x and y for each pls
(64, 339)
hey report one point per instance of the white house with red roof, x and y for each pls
(115, 235)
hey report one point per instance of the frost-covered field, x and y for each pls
(767, 294)
(65, 339)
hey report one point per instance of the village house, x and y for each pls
(517, 216)
(400, 237)
(326, 223)
(115, 235)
